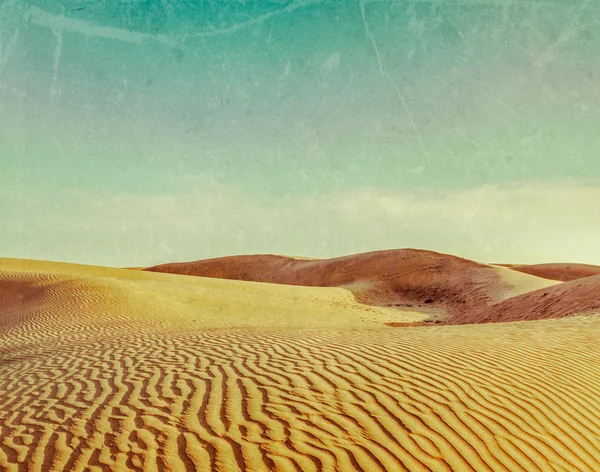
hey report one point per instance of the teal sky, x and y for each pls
(134, 132)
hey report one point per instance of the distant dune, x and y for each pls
(561, 272)
(107, 369)
(576, 297)
(431, 282)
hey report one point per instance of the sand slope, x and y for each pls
(107, 369)
(561, 272)
(578, 296)
(29, 290)
(427, 281)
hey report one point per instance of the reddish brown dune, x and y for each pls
(558, 271)
(581, 296)
(406, 278)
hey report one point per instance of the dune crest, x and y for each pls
(561, 272)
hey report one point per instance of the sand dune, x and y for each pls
(570, 298)
(561, 272)
(112, 369)
(430, 282)
(29, 289)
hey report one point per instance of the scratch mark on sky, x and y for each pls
(384, 72)
(54, 91)
(44, 18)
(568, 33)
(6, 51)
(254, 21)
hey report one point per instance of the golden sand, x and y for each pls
(113, 369)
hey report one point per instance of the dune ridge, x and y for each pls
(557, 271)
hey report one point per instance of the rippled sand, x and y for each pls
(108, 369)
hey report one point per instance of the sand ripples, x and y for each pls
(99, 374)
(507, 398)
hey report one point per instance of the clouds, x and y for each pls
(531, 221)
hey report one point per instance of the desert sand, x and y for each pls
(118, 369)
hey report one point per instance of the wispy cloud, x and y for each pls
(527, 222)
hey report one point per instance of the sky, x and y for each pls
(135, 132)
